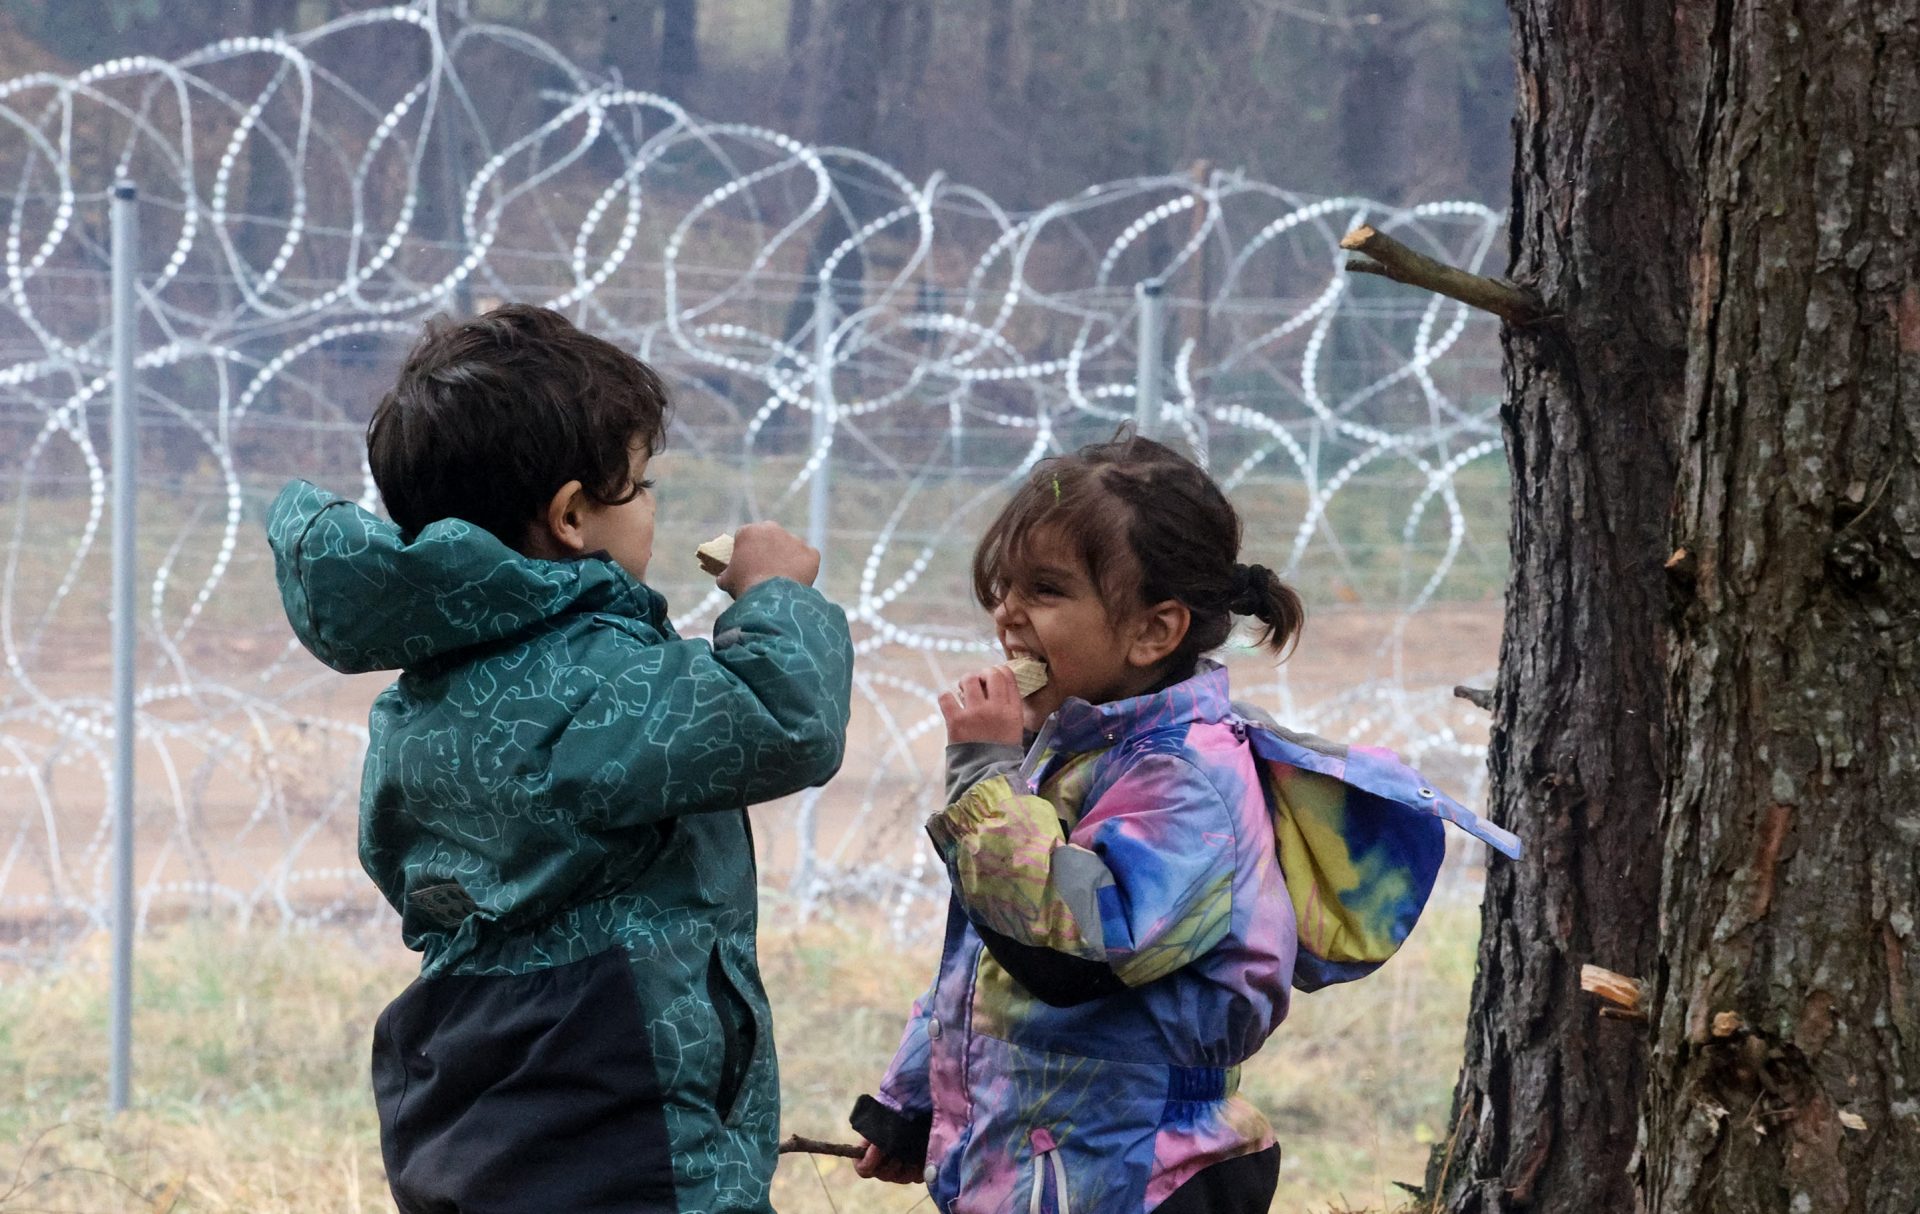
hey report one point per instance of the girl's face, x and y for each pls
(1053, 611)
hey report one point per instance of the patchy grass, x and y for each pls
(252, 1092)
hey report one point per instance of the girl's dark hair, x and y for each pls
(1150, 525)
(490, 416)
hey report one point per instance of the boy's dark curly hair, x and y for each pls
(491, 416)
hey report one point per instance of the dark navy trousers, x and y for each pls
(522, 1093)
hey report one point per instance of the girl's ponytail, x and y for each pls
(1258, 591)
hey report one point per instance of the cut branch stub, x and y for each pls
(1388, 258)
(1626, 995)
(1479, 697)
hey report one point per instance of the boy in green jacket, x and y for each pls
(555, 789)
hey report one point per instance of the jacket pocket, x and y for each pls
(1049, 1176)
(739, 1034)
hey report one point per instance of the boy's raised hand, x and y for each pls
(983, 707)
(876, 1166)
(762, 551)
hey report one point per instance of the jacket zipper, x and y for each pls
(1037, 753)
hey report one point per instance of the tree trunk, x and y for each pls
(862, 37)
(799, 21)
(1051, 101)
(1718, 203)
(998, 48)
(1545, 1113)
(679, 48)
(1374, 110)
(627, 45)
(83, 31)
(791, 109)
(1486, 97)
(269, 196)
(1789, 994)
(906, 105)
(857, 39)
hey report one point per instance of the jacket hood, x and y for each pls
(360, 597)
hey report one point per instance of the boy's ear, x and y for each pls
(1157, 632)
(559, 533)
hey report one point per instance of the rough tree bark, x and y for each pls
(1786, 1071)
(1707, 699)
(1545, 1113)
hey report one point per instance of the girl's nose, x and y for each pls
(1004, 612)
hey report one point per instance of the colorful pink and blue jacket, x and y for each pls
(1147, 857)
(1122, 938)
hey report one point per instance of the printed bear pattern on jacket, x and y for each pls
(556, 773)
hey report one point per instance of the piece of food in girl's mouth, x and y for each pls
(1029, 674)
(716, 554)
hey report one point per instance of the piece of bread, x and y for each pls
(1029, 674)
(716, 554)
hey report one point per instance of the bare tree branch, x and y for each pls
(1388, 258)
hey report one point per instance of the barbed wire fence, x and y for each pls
(874, 358)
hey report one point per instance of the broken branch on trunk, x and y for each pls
(1627, 995)
(1479, 697)
(1381, 254)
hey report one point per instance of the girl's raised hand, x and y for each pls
(983, 707)
(876, 1166)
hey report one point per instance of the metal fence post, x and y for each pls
(817, 506)
(126, 447)
(1148, 390)
(807, 828)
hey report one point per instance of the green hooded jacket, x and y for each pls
(556, 774)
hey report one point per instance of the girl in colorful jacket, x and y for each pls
(1120, 938)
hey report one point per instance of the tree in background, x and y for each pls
(652, 44)
(88, 31)
(630, 41)
(679, 48)
(1708, 722)
(269, 188)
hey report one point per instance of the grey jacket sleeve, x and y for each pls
(968, 763)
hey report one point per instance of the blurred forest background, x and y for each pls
(1398, 100)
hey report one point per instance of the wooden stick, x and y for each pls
(794, 1144)
(1628, 995)
(1387, 257)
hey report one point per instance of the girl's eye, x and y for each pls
(646, 486)
(1046, 590)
